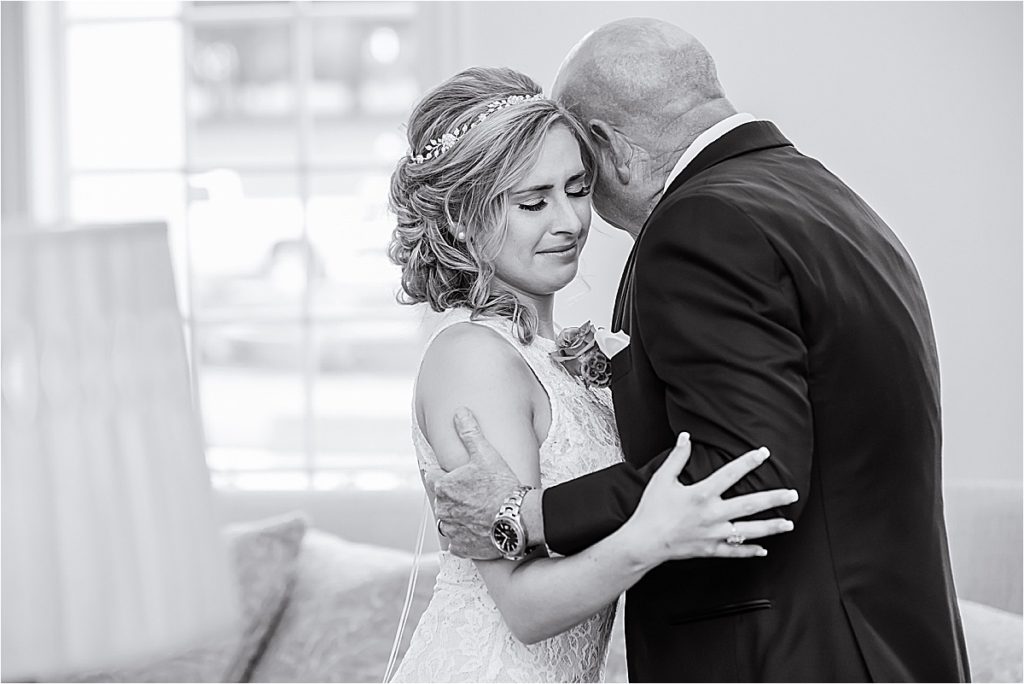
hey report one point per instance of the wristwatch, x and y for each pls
(507, 532)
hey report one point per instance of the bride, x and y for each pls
(492, 212)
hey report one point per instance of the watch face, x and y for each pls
(505, 535)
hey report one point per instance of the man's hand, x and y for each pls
(467, 498)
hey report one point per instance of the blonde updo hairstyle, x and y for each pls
(466, 190)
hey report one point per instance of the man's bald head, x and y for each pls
(645, 90)
(638, 73)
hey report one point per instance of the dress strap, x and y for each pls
(535, 354)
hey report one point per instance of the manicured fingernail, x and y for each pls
(684, 437)
(793, 495)
(763, 454)
(787, 525)
(762, 552)
(461, 415)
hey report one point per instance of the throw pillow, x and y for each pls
(264, 555)
(342, 616)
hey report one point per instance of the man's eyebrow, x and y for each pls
(538, 188)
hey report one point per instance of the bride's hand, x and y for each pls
(675, 521)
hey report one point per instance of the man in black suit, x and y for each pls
(766, 303)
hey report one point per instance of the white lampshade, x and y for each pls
(111, 555)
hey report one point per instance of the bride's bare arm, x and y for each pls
(469, 365)
(540, 597)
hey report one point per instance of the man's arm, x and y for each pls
(719, 317)
(693, 522)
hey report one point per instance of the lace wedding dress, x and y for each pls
(462, 636)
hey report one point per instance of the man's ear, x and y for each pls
(609, 141)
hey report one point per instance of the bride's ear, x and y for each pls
(613, 144)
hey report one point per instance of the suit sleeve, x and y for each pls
(720, 322)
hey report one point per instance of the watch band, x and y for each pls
(513, 504)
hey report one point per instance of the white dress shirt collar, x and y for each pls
(703, 140)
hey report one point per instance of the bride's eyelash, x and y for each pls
(582, 192)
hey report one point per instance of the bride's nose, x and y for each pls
(567, 219)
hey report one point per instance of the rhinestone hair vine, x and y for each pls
(438, 146)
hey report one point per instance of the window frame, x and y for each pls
(435, 24)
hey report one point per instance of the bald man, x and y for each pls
(766, 304)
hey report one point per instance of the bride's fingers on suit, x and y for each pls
(755, 529)
(749, 504)
(733, 471)
(723, 550)
(676, 460)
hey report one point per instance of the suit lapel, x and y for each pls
(624, 297)
(750, 137)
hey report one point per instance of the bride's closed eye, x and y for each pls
(579, 191)
(536, 206)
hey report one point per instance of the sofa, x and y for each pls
(320, 604)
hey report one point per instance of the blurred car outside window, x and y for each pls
(264, 134)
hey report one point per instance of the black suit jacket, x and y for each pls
(767, 304)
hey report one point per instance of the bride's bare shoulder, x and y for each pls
(471, 353)
(473, 366)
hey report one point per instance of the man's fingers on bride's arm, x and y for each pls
(749, 504)
(676, 459)
(734, 471)
(431, 474)
(470, 433)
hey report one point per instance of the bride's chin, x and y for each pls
(564, 283)
(571, 272)
(545, 286)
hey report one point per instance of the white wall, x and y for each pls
(917, 106)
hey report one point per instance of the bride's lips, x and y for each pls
(564, 251)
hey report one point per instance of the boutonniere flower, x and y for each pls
(611, 343)
(582, 356)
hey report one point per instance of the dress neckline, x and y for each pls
(506, 325)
